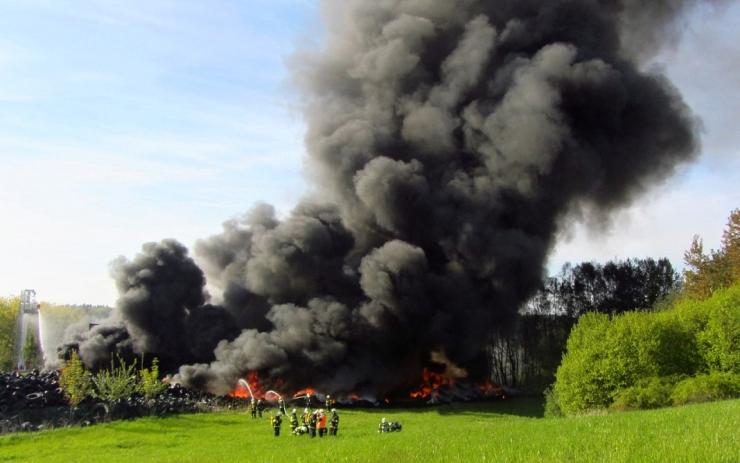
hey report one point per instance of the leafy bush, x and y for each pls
(117, 383)
(552, 404)
(75, 380)
(719, 342)
(606, 358)
(150, 385)
(703, 388)
(579, 379)
(647, 393)
(607, 355)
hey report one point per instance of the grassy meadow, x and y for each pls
(507, 431)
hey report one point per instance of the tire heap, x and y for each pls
(31, 391)
(35, 401)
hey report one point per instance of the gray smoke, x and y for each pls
(448, 141)
(161, 311)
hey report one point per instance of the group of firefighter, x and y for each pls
(311, 422)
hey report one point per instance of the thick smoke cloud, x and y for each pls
(448, 142)
(161, 310)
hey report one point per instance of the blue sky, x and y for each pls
(123, 122)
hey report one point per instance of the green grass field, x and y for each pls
(509, 431)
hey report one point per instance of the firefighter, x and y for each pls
(306, 416)
(322, 423)
(328, 402)
(259, 408)
(334, 422)
(389, 426)
(293, 421)
(253, 408)
(277, 421)
(312, 421)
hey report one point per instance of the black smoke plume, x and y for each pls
(449, 141)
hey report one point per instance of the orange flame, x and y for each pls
(429, 386)
(254, 383)
(431, 381)
(305, 392)
(240, 393)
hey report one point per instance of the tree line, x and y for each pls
(526, 354)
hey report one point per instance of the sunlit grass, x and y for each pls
(508, 431)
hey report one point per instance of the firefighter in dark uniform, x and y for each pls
(277, 421)
(312, 421)
(253, 408)
(328, 403)
(334, 422)
(259, 408)
(293, 421)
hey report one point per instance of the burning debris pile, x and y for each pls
(435, 388)
(36, 401)
(450, 142)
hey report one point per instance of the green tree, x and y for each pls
(9, 308)
(706, 273)
(696, 274)
(731, 245)
(75, 380)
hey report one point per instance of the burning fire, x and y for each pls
(440, 386)
(254, 384)
(259, 391)
(309, 391)
(431, 381)
(433, 386)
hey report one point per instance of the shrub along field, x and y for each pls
(686, 353)
(510, 431)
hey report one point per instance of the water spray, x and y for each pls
(244, 383)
